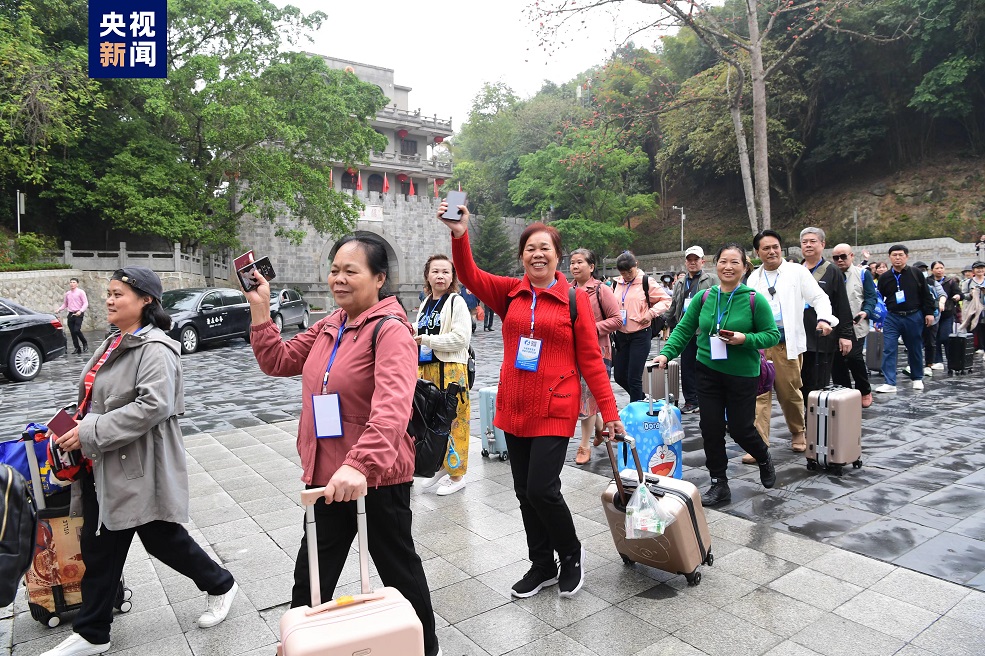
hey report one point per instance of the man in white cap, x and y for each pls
(687, 288)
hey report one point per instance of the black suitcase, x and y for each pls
(960, 352)
(874, 344)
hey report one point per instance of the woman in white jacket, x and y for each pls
(444, 332)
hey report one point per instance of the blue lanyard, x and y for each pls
(771, 285)
(533, 305)
(626, 291)
(898, 276)
(427, 317)
(331, 359)
(718, 303)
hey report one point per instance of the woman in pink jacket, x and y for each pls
(352, 436)
(605, 307)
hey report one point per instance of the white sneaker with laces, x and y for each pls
(937, 366)
(928, 372)
(451, 487)
(76, 645)
(918, 384)
(906, 370)
(885, 389)
(441, 478)
(218, 608)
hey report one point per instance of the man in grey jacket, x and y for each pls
(862, 295)
(685, 290)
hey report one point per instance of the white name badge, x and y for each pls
(777, 314)
(719, 349)
(687, 302)
(622, 314)
(328, 415)
(425, 354)
(900, 297)
(528, 354)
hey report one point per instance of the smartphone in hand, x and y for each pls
(245, 273)
(722, 334)
(454, 199)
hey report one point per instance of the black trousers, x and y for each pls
(487, 322)
(629, 361)
(721, 394)
(689, 382)
(930, 344)
(816, 372)
(105, 554)
(536, 464)
(391, 545)
(75, 328)
(854, 365)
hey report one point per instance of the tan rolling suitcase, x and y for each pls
(656, 386)
(380, 622)
(684, 546)
(834, 429)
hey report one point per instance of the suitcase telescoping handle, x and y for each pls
(308, 500)
(32, 464)
(631, 442)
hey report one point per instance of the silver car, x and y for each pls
(288, 307)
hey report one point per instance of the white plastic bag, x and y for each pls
(644, 517)
(671, 431)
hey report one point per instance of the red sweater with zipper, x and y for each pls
(546, 401)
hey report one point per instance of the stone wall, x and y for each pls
(44, 291)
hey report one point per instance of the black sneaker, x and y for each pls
(767, 472)
(572, 574)
(689, 408)
(718, 494)
(534, 581)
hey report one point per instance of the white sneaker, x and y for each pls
(218, 608)
(937, 366)
(451, 487)
(440, 478)
(906, 370)
(928, 372)
(885, 389)
(918, 384)
(76, 645)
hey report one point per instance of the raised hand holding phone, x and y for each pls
(459, 226)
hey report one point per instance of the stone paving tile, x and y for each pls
(814, 588)
(887, 538)
(773, 611)
(723, 634)
(923, 591)
(956, 557)
(832, 635)
(887, 615)
(948, 637)
(503, 629)
(614, 631)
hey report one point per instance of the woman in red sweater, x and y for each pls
(540, 391)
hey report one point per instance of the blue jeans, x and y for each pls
(910, 328)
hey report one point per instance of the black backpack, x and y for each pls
(18, 523)
(434, 410)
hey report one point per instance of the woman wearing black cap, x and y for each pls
(135, 480)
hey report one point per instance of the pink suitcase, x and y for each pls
(381, 622)
(834, 429)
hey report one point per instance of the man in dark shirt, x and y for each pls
(910, 307)
(819, 358)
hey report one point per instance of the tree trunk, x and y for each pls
(735, 110)
(759, 136)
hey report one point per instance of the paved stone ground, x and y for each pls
(786, 580)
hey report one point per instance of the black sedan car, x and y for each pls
(206, 314)
(27, 340)
(288, 307)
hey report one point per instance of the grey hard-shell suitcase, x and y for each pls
(492, 437)
(654, 386)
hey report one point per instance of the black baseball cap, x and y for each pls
(921, 265)
(141, 279)
(977, 264)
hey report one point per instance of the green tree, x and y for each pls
(492, 249)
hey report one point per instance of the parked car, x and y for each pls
(206, 314)
(287, 306)
(27, 340)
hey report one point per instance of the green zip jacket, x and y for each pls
(736, 315)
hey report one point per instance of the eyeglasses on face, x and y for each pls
(843, 256)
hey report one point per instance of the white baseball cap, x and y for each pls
(695, 250)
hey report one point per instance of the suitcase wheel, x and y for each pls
(837, 470)
(626, 560)
(485, 453)
(857, 464)
(504, 456)
(125, 606)
(811, 465)
(710, 559)
(41, 614)
(694, 578)
(53, 621)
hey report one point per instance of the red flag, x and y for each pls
(412, 192)
(359, 182)
(435, 188)
(386, 184)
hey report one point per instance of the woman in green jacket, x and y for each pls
(733, 324)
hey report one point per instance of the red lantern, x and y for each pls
(402, 134)
(439, 181)
(402, 177)
(438, 139)
(351, 170)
